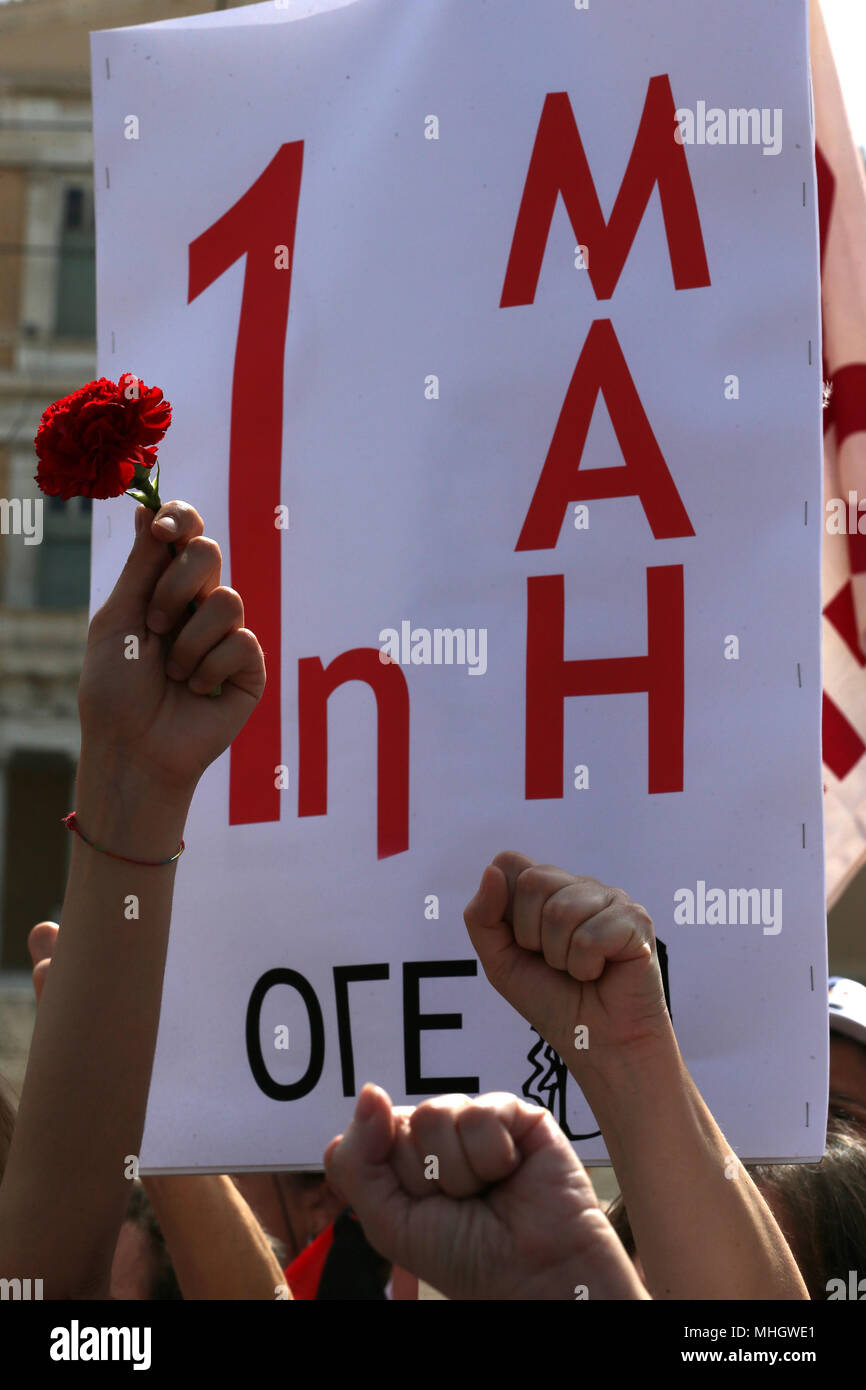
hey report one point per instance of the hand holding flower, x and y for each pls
(146, 714)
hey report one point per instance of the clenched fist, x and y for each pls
(144, 705)
(483, 1199)
(568, 952)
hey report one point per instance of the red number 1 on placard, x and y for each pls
(261, 226)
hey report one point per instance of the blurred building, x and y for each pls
(47, 349)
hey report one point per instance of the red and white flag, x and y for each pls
(842, 216)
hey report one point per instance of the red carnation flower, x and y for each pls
(100, 439)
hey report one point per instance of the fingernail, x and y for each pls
(158, 622)
(169, 525)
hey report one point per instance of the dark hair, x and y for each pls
(618, 1218)
(820, 1208)
(303, 1179)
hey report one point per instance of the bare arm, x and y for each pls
(567, 953)
(217, 1247)
(701, 1227)
(216, 1243)
(146, 739)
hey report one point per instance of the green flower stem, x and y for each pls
(145, 492)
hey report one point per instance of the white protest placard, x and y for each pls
(492, 338)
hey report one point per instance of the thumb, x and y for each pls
(354, 1162)
(484, 915)
(147, 559)
(369, 1138)
(522, 977)
(357, 1167)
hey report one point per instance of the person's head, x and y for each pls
(292, 1207)
(848, 1080)
(142, 1268)
(310, 1205)
(848, 1051)
(821, 1207)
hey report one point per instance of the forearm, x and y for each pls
(262, 1194)
(217, 1247)
(601, 1271)
(701, 1227)
(64, 1192)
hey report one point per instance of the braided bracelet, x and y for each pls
(71, 823)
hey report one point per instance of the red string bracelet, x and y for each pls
(71, 823)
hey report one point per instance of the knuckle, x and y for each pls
(509, 859)
(531, 880)
(426, 1116)
(250, 651)
(183, 509)
(641, 920)
(558, 911)
(230, 600)
(497, 1100)
(478, 1117)
(604, 897)
(594, 895)
(592, 885)
(204, 550)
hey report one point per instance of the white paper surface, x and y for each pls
(408, 508)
